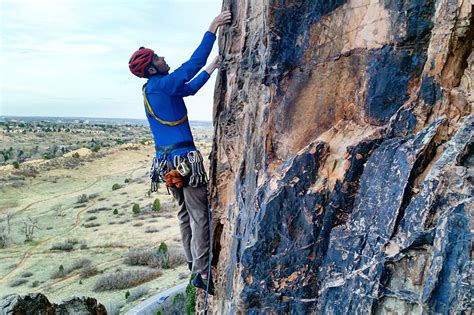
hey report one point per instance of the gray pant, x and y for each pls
(194, 225)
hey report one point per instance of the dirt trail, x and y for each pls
(130, 171)
(29, 252)
(77, 222)
(57, 196)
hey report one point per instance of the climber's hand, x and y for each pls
(213, 65)
(223, 18)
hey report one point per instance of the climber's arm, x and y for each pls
(197, 83)
(175, 82)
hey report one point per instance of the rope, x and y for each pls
(164, 122)
(209, 264)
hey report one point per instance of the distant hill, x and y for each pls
(93, 120)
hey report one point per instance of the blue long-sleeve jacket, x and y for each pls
(165, 94)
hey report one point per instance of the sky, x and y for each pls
(70, 57)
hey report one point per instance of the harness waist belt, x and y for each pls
(167, 148)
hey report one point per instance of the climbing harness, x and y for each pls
(162, 121)
(198, 174)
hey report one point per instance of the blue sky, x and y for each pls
(70, 57)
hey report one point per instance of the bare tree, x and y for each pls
(3, 236)
(5, 229)
(29, 226)
(8, 219)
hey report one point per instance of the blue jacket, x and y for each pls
(165, 94)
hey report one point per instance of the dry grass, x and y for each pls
(150, 229)
(17, 282)
(125, 279)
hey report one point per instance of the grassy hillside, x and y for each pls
(83, 230)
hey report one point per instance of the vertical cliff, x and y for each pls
(341, 173)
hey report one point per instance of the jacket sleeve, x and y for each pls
(194, 85)
(174, 83)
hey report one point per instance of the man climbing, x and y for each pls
(177, 162)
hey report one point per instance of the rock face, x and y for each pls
(38, 304)
(342, 167)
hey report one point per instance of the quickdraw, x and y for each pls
(158, 170)
(198, 174)
(180, 165)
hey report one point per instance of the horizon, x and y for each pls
(86, 117)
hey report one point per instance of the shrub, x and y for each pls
(95, 148)
(62, 246)
(93, 196)
(75, 155)
(26, 274)
(88, 271)
(91, 225)
(60, 273)
(113, 308)
(72, 241)
(92, 218)
(190, 299)
(176, 257)
(35, 284)
(116, 186)
(136, 208)
(156, 205)
(141, 257)
(78, 264)
(163, 256)
(183, 303)
(115, 211)
(138, 224)
(137, 293)
(127, 294)
(82, 198)
(150, 229)
(127, 180)
(18, 282)
(16, 165)
(125, 280)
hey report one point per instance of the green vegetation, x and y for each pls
(16, 165)
(82, 198)
(183, 303)
(115, 211)
(116, 186)
(163, 256)
(156, 205)
(136, 208)
(190, 299)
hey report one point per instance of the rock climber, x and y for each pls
(177, 161)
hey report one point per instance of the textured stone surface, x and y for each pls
(341, 172)
(38, 304)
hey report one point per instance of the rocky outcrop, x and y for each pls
(341, 172)
(37, 303)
